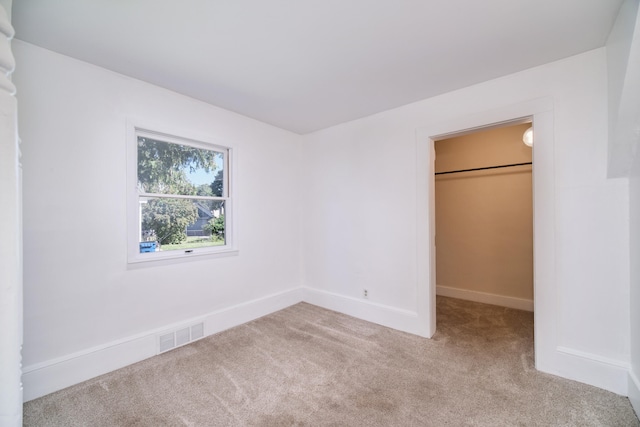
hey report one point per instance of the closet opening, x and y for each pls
(484, 225)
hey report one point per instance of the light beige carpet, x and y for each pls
(306, 366)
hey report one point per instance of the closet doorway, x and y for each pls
(484, 216)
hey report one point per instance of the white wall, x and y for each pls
(623, 60)
(359, 216)
(634, 256)
(353, 186)
(82, 300)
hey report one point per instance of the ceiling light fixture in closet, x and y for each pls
(527, 137)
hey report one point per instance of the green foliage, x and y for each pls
(215, 227)
(204, 190)
(217, 184)
(161, 169)
(206, 242)
(161, 166)
(169, 218)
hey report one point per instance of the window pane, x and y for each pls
(168, 168)
(169, 224)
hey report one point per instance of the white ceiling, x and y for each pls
(304, 65)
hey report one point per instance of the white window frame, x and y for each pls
(134, 195)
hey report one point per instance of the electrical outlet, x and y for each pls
(365, 293)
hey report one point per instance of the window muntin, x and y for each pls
(182, 197)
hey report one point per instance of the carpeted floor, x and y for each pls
(306, 366)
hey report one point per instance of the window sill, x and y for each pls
(166, 258)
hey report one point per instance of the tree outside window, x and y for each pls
(182, 194)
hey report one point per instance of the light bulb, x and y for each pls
(527, 137)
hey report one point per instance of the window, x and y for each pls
(180, 202)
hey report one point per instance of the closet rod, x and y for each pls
(484, 168)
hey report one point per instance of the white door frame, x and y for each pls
(540, 111)
(11, 232)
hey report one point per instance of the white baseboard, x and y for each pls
(53, 375)
(503, 301)
(634, 391)
(402, 320)
(588, 368)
